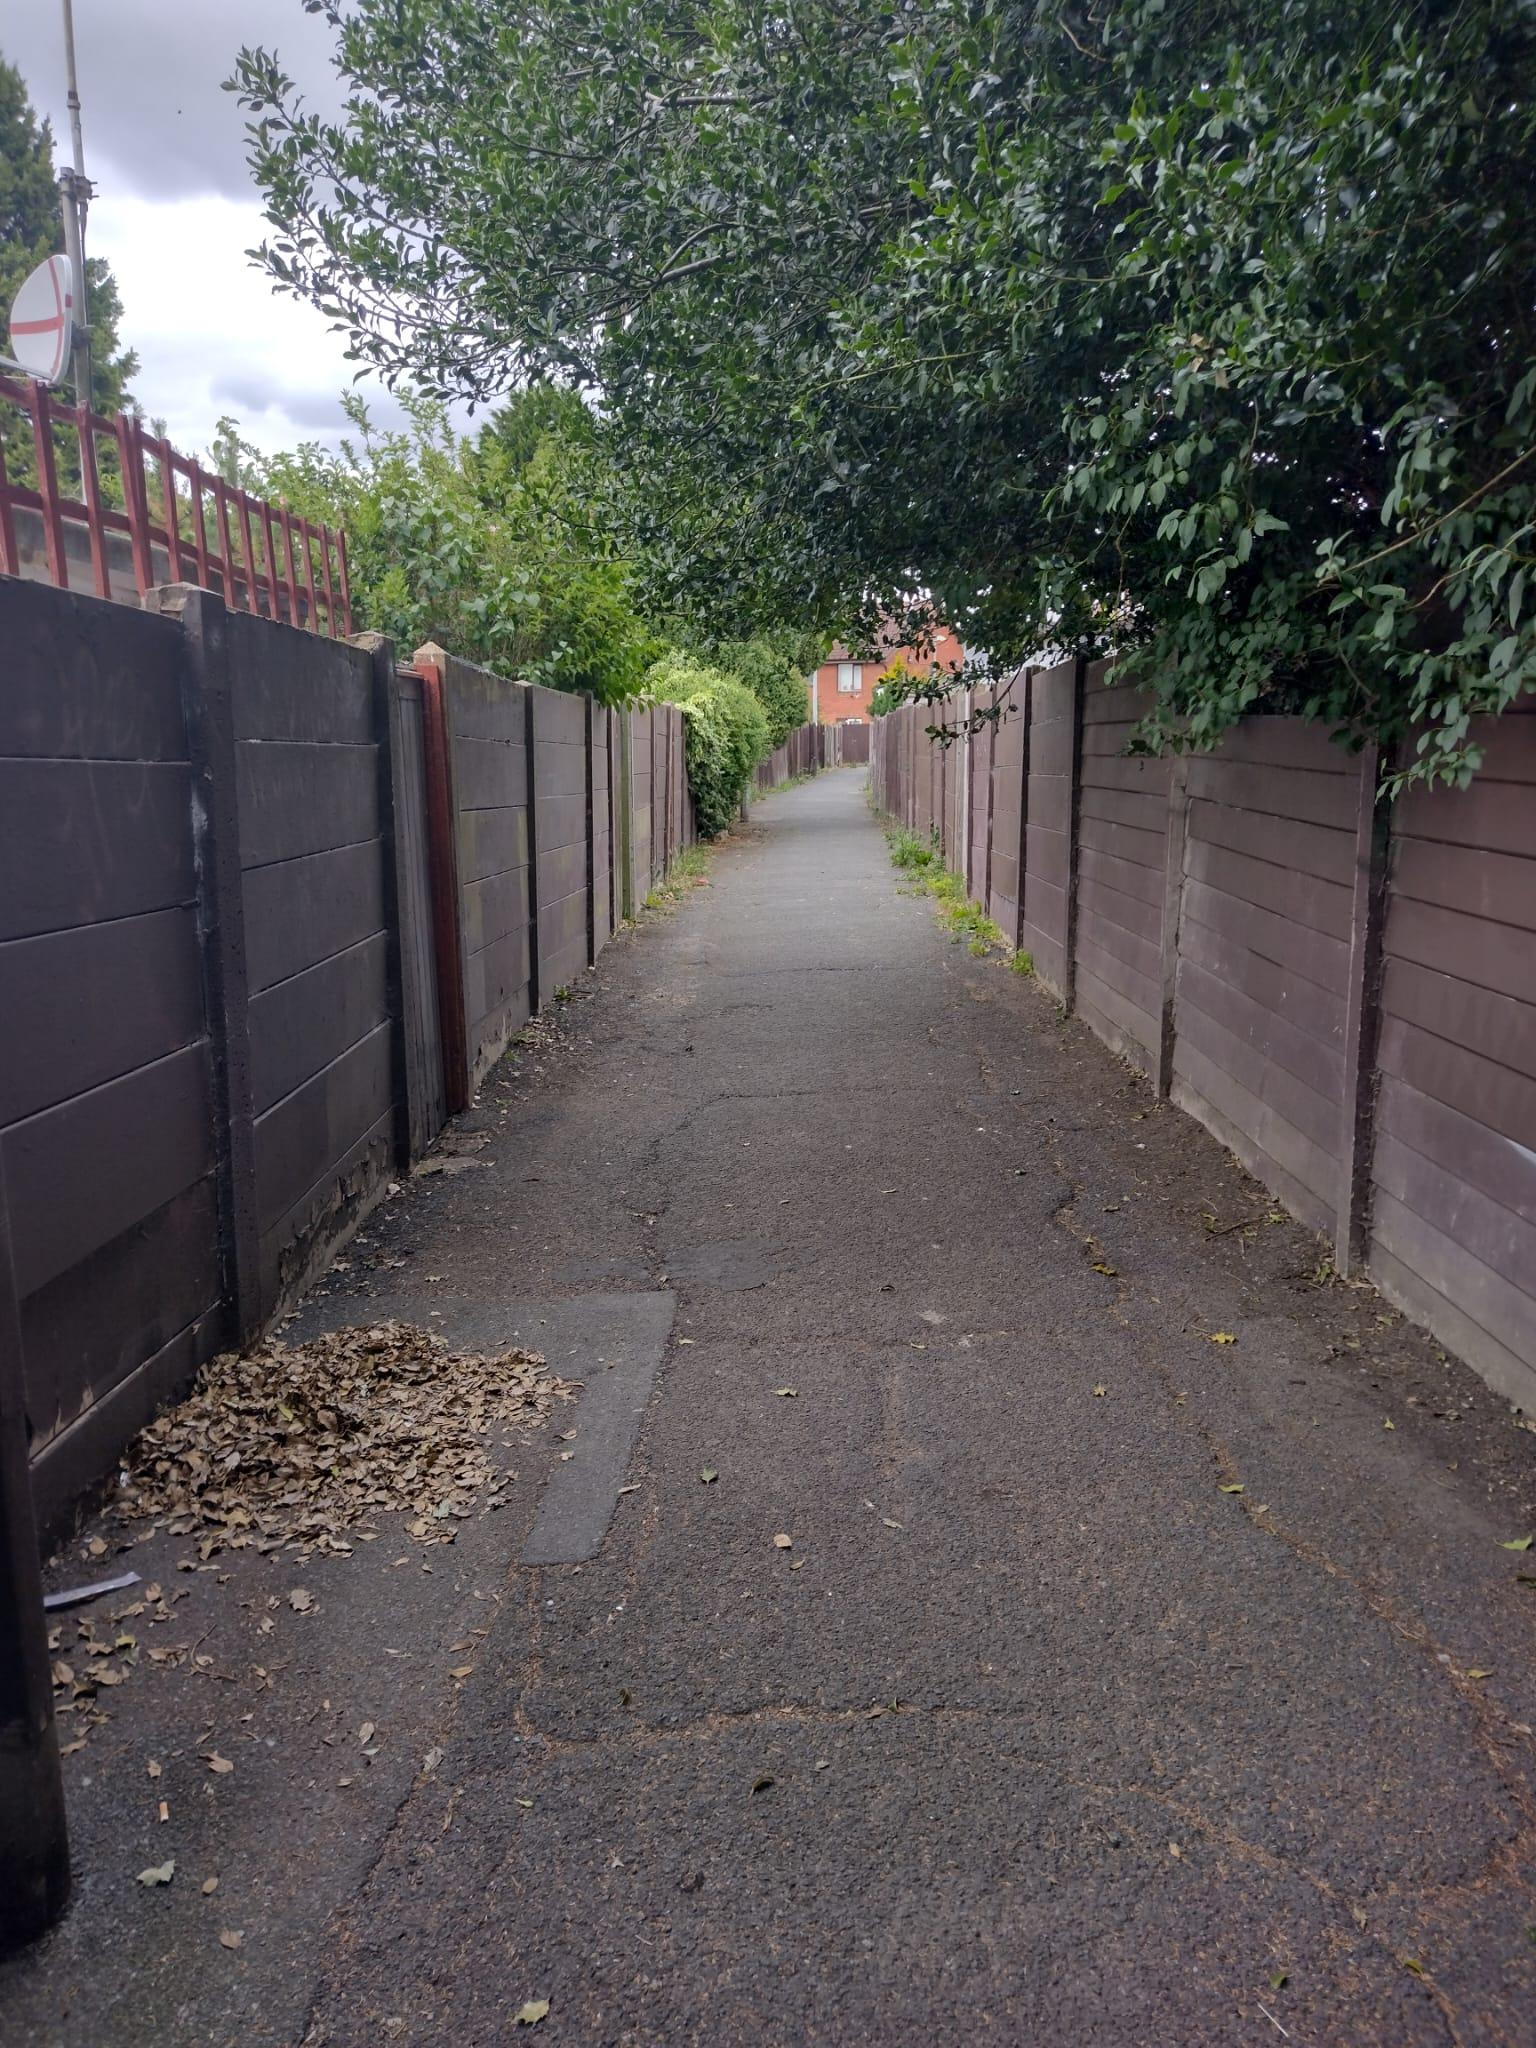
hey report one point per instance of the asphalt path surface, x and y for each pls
(929, 1635)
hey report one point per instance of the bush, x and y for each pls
(725, 735)
(772, 677)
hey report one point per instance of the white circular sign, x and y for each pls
(42, 320)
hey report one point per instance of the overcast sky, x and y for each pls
(175, 208)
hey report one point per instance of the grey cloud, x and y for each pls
(156, 122)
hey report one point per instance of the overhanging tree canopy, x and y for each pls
(1194, 330)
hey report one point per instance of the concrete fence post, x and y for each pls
(589, 734)
(209, 713)
(623, 772)
(1173, 912)
(1074, 833)
(34, 1841)
(1362, 1014)
(1024, 682)
(535, 943)
(431, 664)
(386, 718)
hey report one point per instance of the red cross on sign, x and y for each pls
(42, 320)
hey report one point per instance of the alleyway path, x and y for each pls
(1116, 1686)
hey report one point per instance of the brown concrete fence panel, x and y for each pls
(107, 1090)
(1342, 992)
(314, 869)
(562, 827)
(269, 911)
(1453, 1211)
(1122, 844)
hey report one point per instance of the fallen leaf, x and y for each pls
(96, 1548)
(159, 1873)
(230, 1938)
(1520, 1543)
(1278, 1980)
(532, 2012)
(365, 1733)
(1232, 1489)
(301, 1600)
(823, 1763)
(1418, 1969)
(1103, 1266)
(152, 1769)
(709, 1475)
(461, 1670)
(890, 1524)
(798, 1565)
(522, 1802)
(1389, 1423)
(1222, 1337)
(1481, 1674)
(219, 1765)
(1174, 1849)
(761, 1784)
(783, 1542)
(787, 1393)
(210, 1886)
(1100, 1391)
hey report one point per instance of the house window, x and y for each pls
(850, 678)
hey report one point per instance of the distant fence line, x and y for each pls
(260, 557)
(271, 906)
(1344, 994)
(811, 747)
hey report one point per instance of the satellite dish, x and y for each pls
(42, 321)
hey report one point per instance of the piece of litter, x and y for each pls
(74, 1596)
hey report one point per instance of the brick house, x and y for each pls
(842, 687)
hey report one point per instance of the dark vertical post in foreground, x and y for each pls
(34, 1844)
(1362, 1016)
(208, 708)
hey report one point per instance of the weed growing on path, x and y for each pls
(923, 860)
(689, 870)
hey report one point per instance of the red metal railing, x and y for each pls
(261, 557)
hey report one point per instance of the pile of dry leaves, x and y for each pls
(300, 1445)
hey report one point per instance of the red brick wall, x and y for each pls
(833, 705)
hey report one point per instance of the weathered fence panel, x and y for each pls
(561, 831)
(488, 735)
(269, 910)
(1453, 1219)
(1122, 846)
(106, 1091)
(1045, 923)
(1345, 996)
(1264, 953)
(313, 862)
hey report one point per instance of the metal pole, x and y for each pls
(76, 188)
(34, 1844)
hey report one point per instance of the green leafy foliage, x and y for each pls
(772, 677)
(1180, 330)
(496, 547)
(725, 735)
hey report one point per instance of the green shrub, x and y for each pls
(770, 674)
(725, 735)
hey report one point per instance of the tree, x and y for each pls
(774, 678)
(497, 546)
(1196, 334)
(31, 229)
